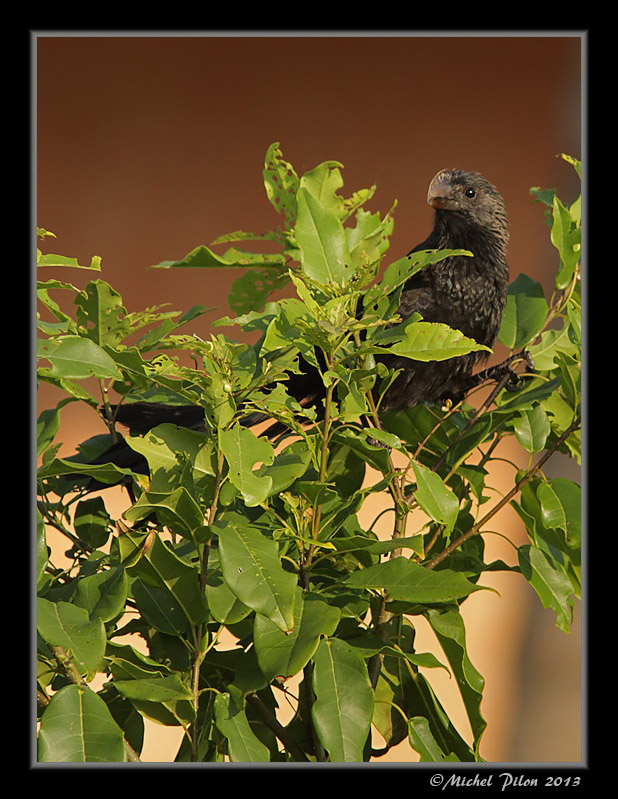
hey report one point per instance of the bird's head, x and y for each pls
(471, 198)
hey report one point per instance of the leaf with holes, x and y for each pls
(243, 452)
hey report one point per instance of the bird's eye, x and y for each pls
(470, 192)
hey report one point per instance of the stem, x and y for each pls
(401, 508)
(109, 417)
(53, 521)
(198, 631)
(395, 486)
(320, 752)
(476, 528)
(317, 510)
(273, 724)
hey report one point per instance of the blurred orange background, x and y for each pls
(148, 146)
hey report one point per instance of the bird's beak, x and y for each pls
(440, 194)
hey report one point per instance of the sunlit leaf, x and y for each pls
(252, 569)
(319, 233)
(550, 582)
(285, 655)
(243, 452)
(524, 314)
(408, 581)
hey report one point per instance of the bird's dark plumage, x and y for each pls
(466, 293)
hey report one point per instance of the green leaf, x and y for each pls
(560, 500)
(281, 654)
(524, 314)
(281, 183)
(40, 547)
(204, 258)
(243, 452)
(450, 631)
(155, 689)
(552, 342)
(103, 595)
(368, 645)
(223, 604)
(92, 521)
(162, 568)
(434, 497)
(369, 240)
(105, 472)
(321, 239)
(248, 678)
(402, 269)
(161, 447)
(322, 183)
(63, 624)
(252, 569)
(243, 745)
(550, 581)
(285, 469)
(77, 727)
(159, 608)
(353, 543)
(250, 291)
(566, 237)
(47, 426)
(421, 700)
(76, 358)
(535, 390)
(101, 314)
(429, 341)
(577, 165)
(50, 259)
(178, 510)
(153, 337)
(344, 700)
(407, 581)
(532, 428)
(422, 741)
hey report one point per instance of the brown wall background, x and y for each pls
(149, 146)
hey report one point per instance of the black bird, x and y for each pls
(466, 293)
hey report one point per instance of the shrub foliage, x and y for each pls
(235, 532)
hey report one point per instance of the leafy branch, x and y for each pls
(255, 532)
